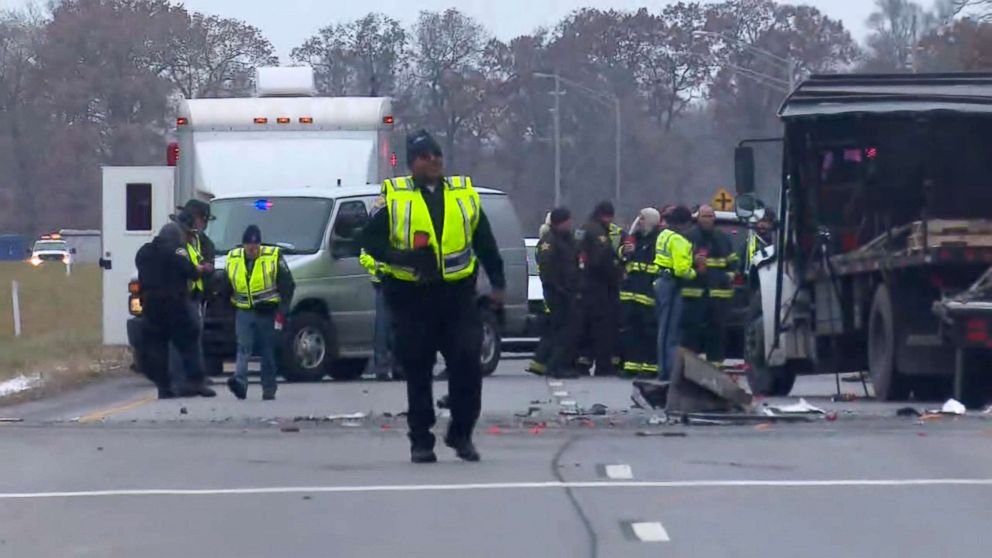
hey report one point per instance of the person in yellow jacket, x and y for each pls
(432, 233)
(674, 261)
(262, 290)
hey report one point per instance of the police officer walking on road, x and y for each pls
(431, 232)
(673, 258)
(262, 287)
(165, 273)
(557, 257)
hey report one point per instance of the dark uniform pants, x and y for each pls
(639, 338)
(177, 369)
(601, 326)
(428, 319)
(167, 320)
(560, 341)
(703, 325)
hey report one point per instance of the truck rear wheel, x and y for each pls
(764, 380)
(308, 348)
(883, 338)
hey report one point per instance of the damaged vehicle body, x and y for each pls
(884, 224)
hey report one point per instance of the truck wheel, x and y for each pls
(308, 349)
(492, 343)
(764, 380)
(889, 384)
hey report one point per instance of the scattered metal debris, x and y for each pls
(661, 434)
(908, 412)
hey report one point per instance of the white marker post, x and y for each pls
(16, 300)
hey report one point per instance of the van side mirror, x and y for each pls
(749, 208)
(744, 170)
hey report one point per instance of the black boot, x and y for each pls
(422, 455)
(237, 388)
(464, 448)
(196, 389)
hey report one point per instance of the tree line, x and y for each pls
(86, 83)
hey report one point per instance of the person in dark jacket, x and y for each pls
(707, 298)
(432, 233)
(601, 273)
(165, 273)
(557, 258)
(640, 321)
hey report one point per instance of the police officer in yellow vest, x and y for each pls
(432, 233)
(674, 261)
(262, 289)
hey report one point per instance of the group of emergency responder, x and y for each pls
(612, 297)
(175, 272)
(632, 298)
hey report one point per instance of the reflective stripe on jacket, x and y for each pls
(261, 287)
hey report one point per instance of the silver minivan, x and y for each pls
(331, 323)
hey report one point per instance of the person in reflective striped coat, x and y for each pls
(640, 321)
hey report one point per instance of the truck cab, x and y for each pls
(883, 212)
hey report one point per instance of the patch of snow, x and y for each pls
(18, 384)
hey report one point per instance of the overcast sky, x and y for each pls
(287, 23)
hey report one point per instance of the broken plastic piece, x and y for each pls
(598, 409)
(801, 408)
(655, 420)
(953, 407)
(494, 429)
(351, 416)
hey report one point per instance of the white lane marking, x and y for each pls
(652, 531)
(853, 483)
(560, 394)
(568, 403)
(619, 472)
(556, 383)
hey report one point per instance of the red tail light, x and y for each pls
(978, 331)
(739, 280)
(172, 154)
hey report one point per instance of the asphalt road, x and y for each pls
(107, 471)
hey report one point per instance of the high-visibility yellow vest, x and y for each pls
(674, 253)
(408, 215)
(193, 249)
(260, 288)
(616, 236)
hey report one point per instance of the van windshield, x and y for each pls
(295, 224)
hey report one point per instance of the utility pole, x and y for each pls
(616, 193)
(557, 141)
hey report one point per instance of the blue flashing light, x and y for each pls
(263, 205)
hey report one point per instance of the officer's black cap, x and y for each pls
(559, 215)
(419, 144)
(679, 215)
(198, 207)
(253, 235)
(603, 209)
(184, 219)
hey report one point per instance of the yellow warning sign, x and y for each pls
(723, 200)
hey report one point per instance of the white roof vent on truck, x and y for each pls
(285, 81)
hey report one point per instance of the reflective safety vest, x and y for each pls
(408, 215)
(372, 266)
(193, 249)
(615, 233)
(673, 253)
(258, 289)
(641, 271)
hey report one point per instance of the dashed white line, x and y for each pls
(555, 485)
(650, 531)
(560, 394)
(556, 383)
(619, 472)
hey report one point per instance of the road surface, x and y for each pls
(108, 471)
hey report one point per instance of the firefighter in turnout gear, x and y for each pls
(432, 233)
(601, 273)
(557, 257)
(640, 321)
(262, 290)
(673, 258)
(542, 354)
(707, 298)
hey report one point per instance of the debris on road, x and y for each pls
(358, 416)
(698, 386)
(10, 420)
(661, 434)
(803, 407)
(650, 394)
(953, 407)
(908, 412)
(598, 409)
(530, 412)
(289, 428)
(183, 411)
(655, 420)
(843, 397)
